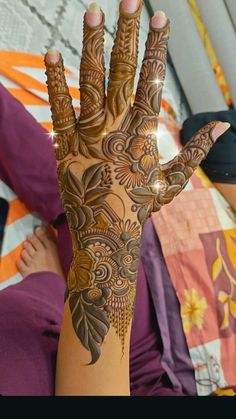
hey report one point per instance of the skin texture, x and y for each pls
(111, 181)
(229, 192)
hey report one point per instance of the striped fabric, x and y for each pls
(20, 222)
(210, 51)
(218, 22)
(24, 76)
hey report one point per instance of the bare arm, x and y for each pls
(111, 181)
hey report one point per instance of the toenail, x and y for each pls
(41, 230)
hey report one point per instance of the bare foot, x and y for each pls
(40, 254)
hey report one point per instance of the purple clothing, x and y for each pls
(27, 160)
(30, 321)
(147, 375)
(33, 308)
(175, 358)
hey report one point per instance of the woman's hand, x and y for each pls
(108, 167)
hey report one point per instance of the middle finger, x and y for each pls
(124, 59)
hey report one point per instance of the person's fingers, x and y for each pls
(178, 171)
(153, 71)
(92, 68)
(63, 115)
(124, 59)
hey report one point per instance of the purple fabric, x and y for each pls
(30, 319)
(175, 357)
(147, 375)
(27, 158)
(33, 308)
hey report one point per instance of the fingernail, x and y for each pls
(94, 15)
(52, 56)
(220, 129)
(159, 20)
(130, 6)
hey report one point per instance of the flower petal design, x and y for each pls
(192, 311)
(148, 163)
(136, 147)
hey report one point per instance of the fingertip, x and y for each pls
(93, 15)
(130, 6)
(220, 129)
(52, 56)
(159, 20)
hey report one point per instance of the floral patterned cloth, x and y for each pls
(198, 238)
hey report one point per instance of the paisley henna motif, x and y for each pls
(116, 182)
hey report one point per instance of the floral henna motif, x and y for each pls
(116, 182)
(105, 272)
(108, 258)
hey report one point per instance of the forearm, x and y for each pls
(95, 337)
(109, 376)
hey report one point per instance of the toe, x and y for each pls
(36, 243)
(26, 257)
(22, 267)
(29, 248)
(45, 236)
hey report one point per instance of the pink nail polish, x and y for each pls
(52, 56)
(130, 6)
(159, 20)
(220, 129)
(94, 15)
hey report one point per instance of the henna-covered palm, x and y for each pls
(109, 173)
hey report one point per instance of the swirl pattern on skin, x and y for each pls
(116, 182)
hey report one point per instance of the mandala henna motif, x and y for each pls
(116, 182)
